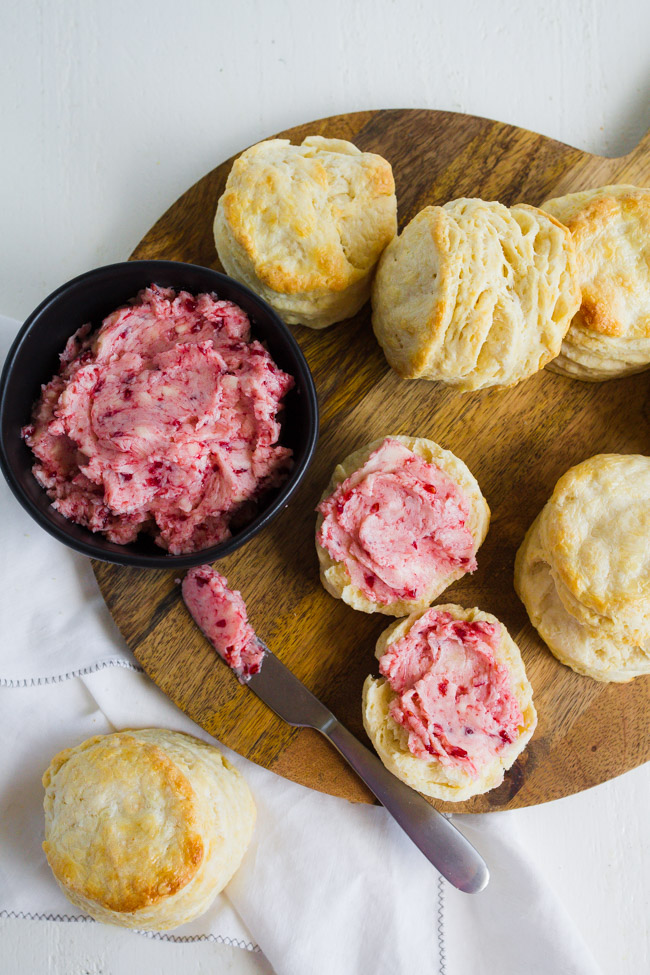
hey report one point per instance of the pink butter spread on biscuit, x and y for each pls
(452, 695)
(221, 614)
(163, 421)
(397, 524)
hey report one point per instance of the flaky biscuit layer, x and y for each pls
(474, 294)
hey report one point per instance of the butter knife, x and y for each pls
(438, 839)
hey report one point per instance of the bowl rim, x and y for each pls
(164, 560)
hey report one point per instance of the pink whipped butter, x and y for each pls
(163, 421)
(452, 695)
(221, 614)
(397, 524)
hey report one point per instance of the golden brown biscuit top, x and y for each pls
(598, 529)
(122, 823)
(310, 217)
(611, 232)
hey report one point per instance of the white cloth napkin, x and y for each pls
(326, 886)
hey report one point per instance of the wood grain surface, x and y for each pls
(517, 443)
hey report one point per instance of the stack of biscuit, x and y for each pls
(583, 569)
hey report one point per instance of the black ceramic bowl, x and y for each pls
(34, 358)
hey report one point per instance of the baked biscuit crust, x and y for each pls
(583, 569)
(304, 226)
(474, 294)
(610, 334)
(588, 649)
(597, 525)
(335, 576)
(391, 739)
(144, 828)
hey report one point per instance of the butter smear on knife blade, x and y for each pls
(221, 614)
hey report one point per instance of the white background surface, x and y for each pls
(110, 110)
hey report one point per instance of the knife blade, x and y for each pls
(438, 839)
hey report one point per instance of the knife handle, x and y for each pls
(442, 844)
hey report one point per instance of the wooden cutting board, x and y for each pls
(517, 442)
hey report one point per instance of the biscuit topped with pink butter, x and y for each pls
(221, 614)
(452, 694)
(400, 520)
(454, 708)
(164, 421)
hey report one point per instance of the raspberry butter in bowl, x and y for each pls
(155, 414)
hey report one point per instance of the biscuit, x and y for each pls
(474, 294)
(341, 580)
(610, 333)
(304, 226)
(144, 828)
(449, 780)
(583, 569)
